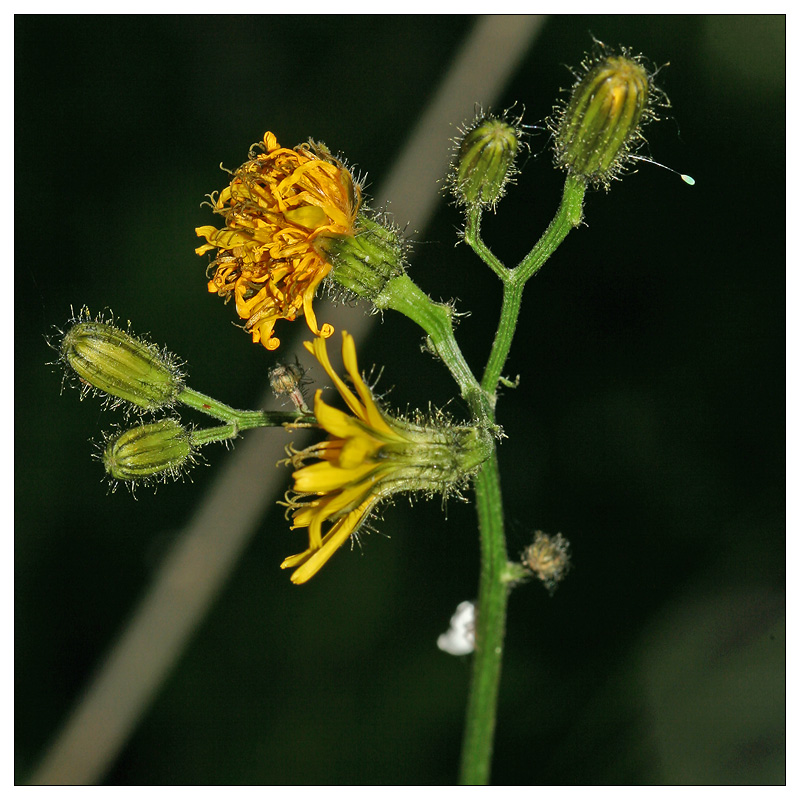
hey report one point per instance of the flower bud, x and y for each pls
(366, 262)
(115, 363)
(603, 119)
(159, 449)
(485, 162)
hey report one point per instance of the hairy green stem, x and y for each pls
(472, 236)
(223, 433)
(507, 326)
(476, 752)
(242, 420)
(493, 594)
(401, 294)
(568, 216)
(436, 319)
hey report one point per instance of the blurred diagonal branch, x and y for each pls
(206, 551)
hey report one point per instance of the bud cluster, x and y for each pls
(127, 370)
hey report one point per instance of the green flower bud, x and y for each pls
(485, 161)
(364, 263)
(157, 450)
(602, 122)
(120, 365)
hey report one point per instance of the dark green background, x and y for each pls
(648, 427)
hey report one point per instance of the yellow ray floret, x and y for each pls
(347, 478)
(275, 207)
(368, 457)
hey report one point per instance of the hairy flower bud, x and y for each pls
(157, 450)
(366, 261)
(120, 365)
(596, 131)
(484, 161)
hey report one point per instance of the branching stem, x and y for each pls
(493, 593)
(242, 420)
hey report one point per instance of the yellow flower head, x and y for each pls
(368, 457)
(276, 205)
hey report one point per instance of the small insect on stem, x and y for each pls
(287, 379)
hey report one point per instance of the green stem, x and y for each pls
(402, 295)
(568, 216)
(436, 319)
(243, 420)
(472, 236)
(476, 752)
(506, 328)
(493, 593)
(223, 433)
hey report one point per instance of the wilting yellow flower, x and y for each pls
(276, 205)
(368, 457)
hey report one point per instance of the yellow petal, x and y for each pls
(373, 416)
(206, 231)
(315, 533)
(334, 421)
(334, 505)
(332, 541)
(356, 451)
(319, 349)
(271, 141)
(310, 217)
(340, 219)
(308, 299)
(328, 450)
(324, 477)
(345, 501)
(293, 561)
(303, 516)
